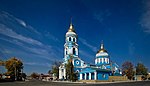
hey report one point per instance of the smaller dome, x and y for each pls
(102, 50)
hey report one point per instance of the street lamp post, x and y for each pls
(15, 70)
(135, 74)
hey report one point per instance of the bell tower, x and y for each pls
(70, 46)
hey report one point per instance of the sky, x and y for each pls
(34, 30)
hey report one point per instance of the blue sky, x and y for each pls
(34, 31)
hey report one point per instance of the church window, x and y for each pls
(103, 75)
(77, 71)
(74, 39)
(74, 51)
(77, 62)
(69, 38)
(100, 60)
(66, 52)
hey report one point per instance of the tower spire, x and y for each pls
(71, 28)
(102, 45)
(71, 21)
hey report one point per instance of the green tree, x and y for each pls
(14, 66)
(71, 75)
(127, 69)
(141, 69)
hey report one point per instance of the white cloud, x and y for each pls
(26, 45)
(93, 48)
(7, 18)
(145, 18)
(21, 22)
(9, 32)
(45, 52)
(37, 64)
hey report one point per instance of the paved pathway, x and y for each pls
(43, 83)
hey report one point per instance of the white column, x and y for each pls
(89, 76)
(95, 75)
(85, 76)
(64, 73)
(80, 76)
(60, 73)
(96, 61)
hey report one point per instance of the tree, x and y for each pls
(35, 75)
(55, 68)
(141, 69)
(50, 72)
(127, 69)
(71, 75)
(69, 70)
(24, 76)
(14, 66)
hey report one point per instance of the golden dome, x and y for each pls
(71, 29)
(102, 49)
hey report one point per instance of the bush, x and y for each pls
(144, 77)
(149, 78)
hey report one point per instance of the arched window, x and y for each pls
(69, 38)
(66, 52)
(74, 51)
(100, 60)
(74, 40)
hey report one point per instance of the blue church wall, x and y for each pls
(75, 69)
(87, 70)
(108, 66)
(102, 76)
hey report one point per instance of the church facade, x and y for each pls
(101, 70)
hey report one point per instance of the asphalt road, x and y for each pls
(42, 83)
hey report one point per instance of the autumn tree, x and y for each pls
(127, 69)
(14, 66)
(34, 75)
(141, 69)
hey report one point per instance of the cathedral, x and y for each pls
(101, 70)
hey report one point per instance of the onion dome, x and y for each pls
(71, 28)
(102, 51)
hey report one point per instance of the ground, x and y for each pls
(43, 83)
